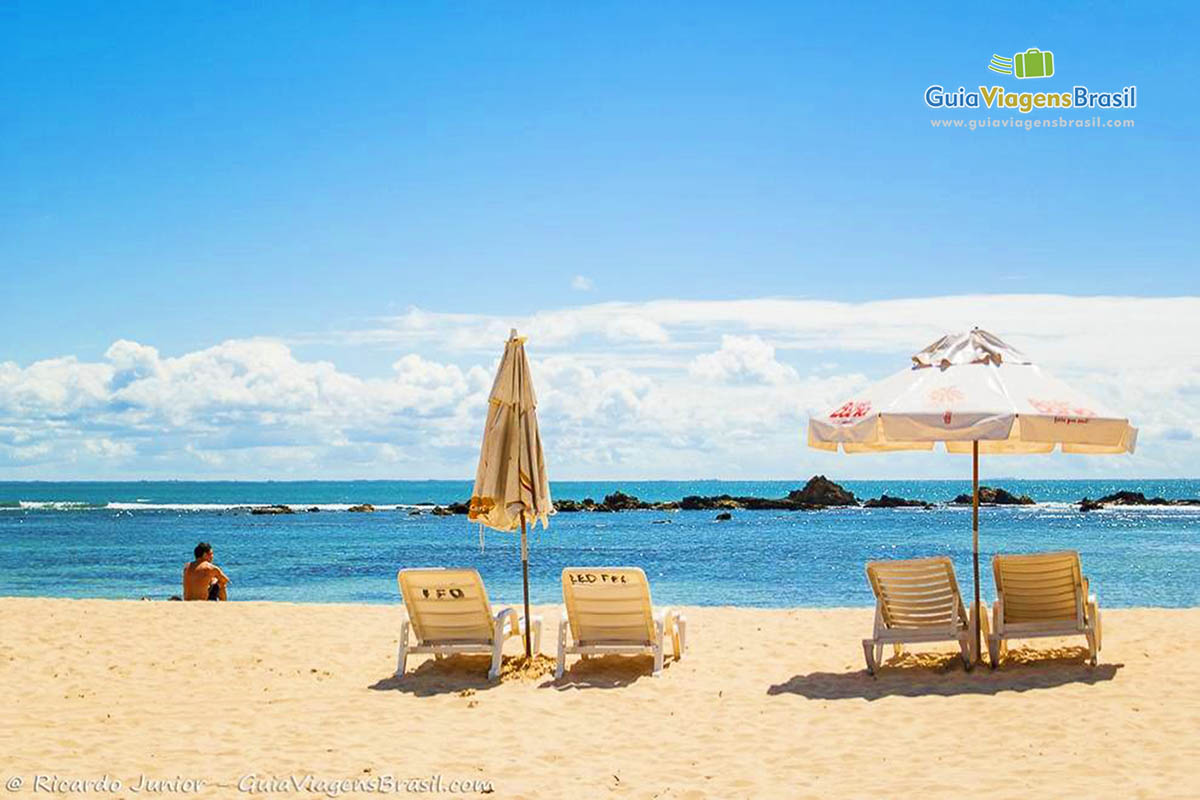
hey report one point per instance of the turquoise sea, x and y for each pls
(129, 540)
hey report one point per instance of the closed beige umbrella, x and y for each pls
(511, 486)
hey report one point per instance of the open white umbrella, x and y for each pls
(511, 485)
(974, 393)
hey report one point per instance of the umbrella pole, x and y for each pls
(525, 580)
(975, 541)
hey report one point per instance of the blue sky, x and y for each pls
(184, 176)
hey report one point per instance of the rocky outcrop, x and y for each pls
(724, 516)
(619, 501)
(1128, 498)
(887, 501)
(363, 508)
(313, 509)
(276, 509)
(989, 496)
(697, 503)
(818, 493)
(822, 493)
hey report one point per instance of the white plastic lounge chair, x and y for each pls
(609, 611)
(1042, 594)
(449, 613)
(917, 600)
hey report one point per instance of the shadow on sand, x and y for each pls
(467, 674)
(926, 674)
(462, 673)
(604, 672)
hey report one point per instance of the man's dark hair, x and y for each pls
(202, 548)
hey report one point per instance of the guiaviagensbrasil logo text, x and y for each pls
(1030, 64)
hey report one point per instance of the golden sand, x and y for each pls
(765, 704)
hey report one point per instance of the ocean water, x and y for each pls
(129, 540)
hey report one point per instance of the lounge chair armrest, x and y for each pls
(666, 623)
(510, 615)
(664, 617)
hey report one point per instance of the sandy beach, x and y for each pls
(240, 697)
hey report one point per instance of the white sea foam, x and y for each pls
(297, 507)
(57, 505)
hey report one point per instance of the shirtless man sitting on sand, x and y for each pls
(202, 579)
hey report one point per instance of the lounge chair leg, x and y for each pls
(562, 649)
(994, 646)
(965, 645)
(680, 636)
(497, 657)
(537, 635)
(1092, 649)
(878, 654)
(402, 655)
(660, 634)
(868, 647)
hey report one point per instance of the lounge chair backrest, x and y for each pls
(1041, 587)
(446, 605)
(917, 593)
(608, 604)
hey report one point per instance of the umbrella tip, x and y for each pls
(512, 333)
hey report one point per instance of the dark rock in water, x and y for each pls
(1128, 498)
(821, 492)
(668, 505)
(567, 506)
(619, 501)
(459, 508)
(660, 522)
(313, 509)
(887, 501)
(439, 511)
(364, 508)
(770, 504)
(416, 512)
(277, 509)
(696, 503)
(724, 516)
(994, 497)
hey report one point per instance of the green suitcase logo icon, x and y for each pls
(1034, 63)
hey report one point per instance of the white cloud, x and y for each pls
(667, 388)
(742, 358)
(1054, 329)
(581, 283)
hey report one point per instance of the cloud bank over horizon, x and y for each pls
(657, 389)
